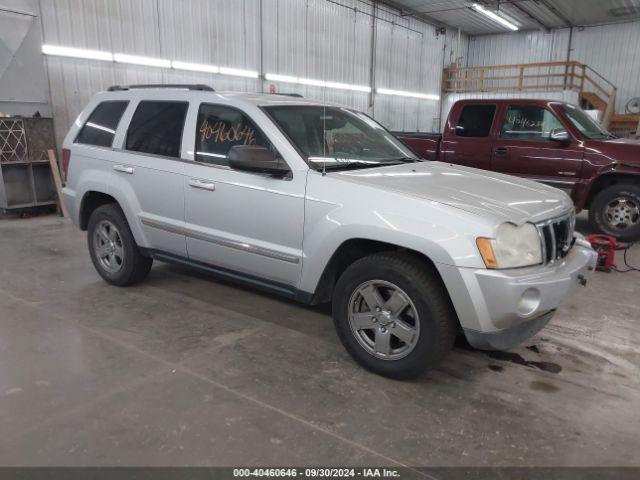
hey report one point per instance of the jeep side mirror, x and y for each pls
(559, 135)
(258, 159)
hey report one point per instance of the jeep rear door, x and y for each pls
(250, 224)
(148, 172)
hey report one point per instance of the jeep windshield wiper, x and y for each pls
(354, 165)
(408, 159)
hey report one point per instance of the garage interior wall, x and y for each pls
(611, 50)
(316, 39)
(20, 60)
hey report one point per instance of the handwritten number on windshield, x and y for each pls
(219, 132)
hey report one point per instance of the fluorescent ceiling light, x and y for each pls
(494, 17)
(146, 61)
(238, 72)
(316, 83)
(401, 93)
(312, 82)
(76, 53)
(280, 78)
(195, 67)
(337, 85)
(360, 88)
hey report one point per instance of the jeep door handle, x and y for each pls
(123, 169)
(500, 151)
(202, 184)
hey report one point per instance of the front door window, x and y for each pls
(528, 122)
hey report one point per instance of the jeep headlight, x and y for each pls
(513, 247)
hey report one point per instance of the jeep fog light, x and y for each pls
(529, 301)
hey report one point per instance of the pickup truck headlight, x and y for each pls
(513, 247)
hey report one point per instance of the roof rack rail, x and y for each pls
(119, 88)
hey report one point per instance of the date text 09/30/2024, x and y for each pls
(316, 472)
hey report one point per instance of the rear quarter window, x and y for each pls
(100, 128)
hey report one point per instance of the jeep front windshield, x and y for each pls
(334, 138)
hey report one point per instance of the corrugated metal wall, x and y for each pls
(611, 50)
(318, 39)
(20, 59)
(525, 47)
(614, 52)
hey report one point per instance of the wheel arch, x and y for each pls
(607, 180)
(91, 200)
(353, 249)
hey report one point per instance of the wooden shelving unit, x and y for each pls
(25, 172)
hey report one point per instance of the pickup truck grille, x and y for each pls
(556, 236)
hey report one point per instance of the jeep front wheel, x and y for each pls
(615, 211)
(393, 314)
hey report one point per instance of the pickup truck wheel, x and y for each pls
(615, 211)
(393, 315)
(113, 249)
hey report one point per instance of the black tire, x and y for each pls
(597, 211)
(133, 267)
(438, 322)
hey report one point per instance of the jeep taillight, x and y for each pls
(66, 158)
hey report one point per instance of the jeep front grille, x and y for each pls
(556, 236)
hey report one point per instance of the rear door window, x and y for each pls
(156, 128)
(100, 128)
(528, 122)
(475, 121)
(219, 128)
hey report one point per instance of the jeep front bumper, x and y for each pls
(499, 309)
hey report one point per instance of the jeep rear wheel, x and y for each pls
(615, 211)
(393, 314)
(113, 249)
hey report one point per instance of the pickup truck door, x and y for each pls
(246, 223)
(468, 138)
(523, 147)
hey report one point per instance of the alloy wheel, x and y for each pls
(108, 247)
(384, 320)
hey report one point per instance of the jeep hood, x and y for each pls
(489, 194)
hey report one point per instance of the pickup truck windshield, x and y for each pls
(583, 122)
(338, 138)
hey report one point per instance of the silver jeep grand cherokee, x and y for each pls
(320, 203)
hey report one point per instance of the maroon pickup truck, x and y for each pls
(550, 142)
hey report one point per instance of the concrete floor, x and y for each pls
(186, 370)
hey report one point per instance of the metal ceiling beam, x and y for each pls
(490, 4)
(552, 8)
(410, 12)
(524, 11)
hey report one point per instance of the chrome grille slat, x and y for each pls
(554, 245)
(556, 237)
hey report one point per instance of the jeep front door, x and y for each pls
(248, 224)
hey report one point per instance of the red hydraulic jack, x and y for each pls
(606, 247)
